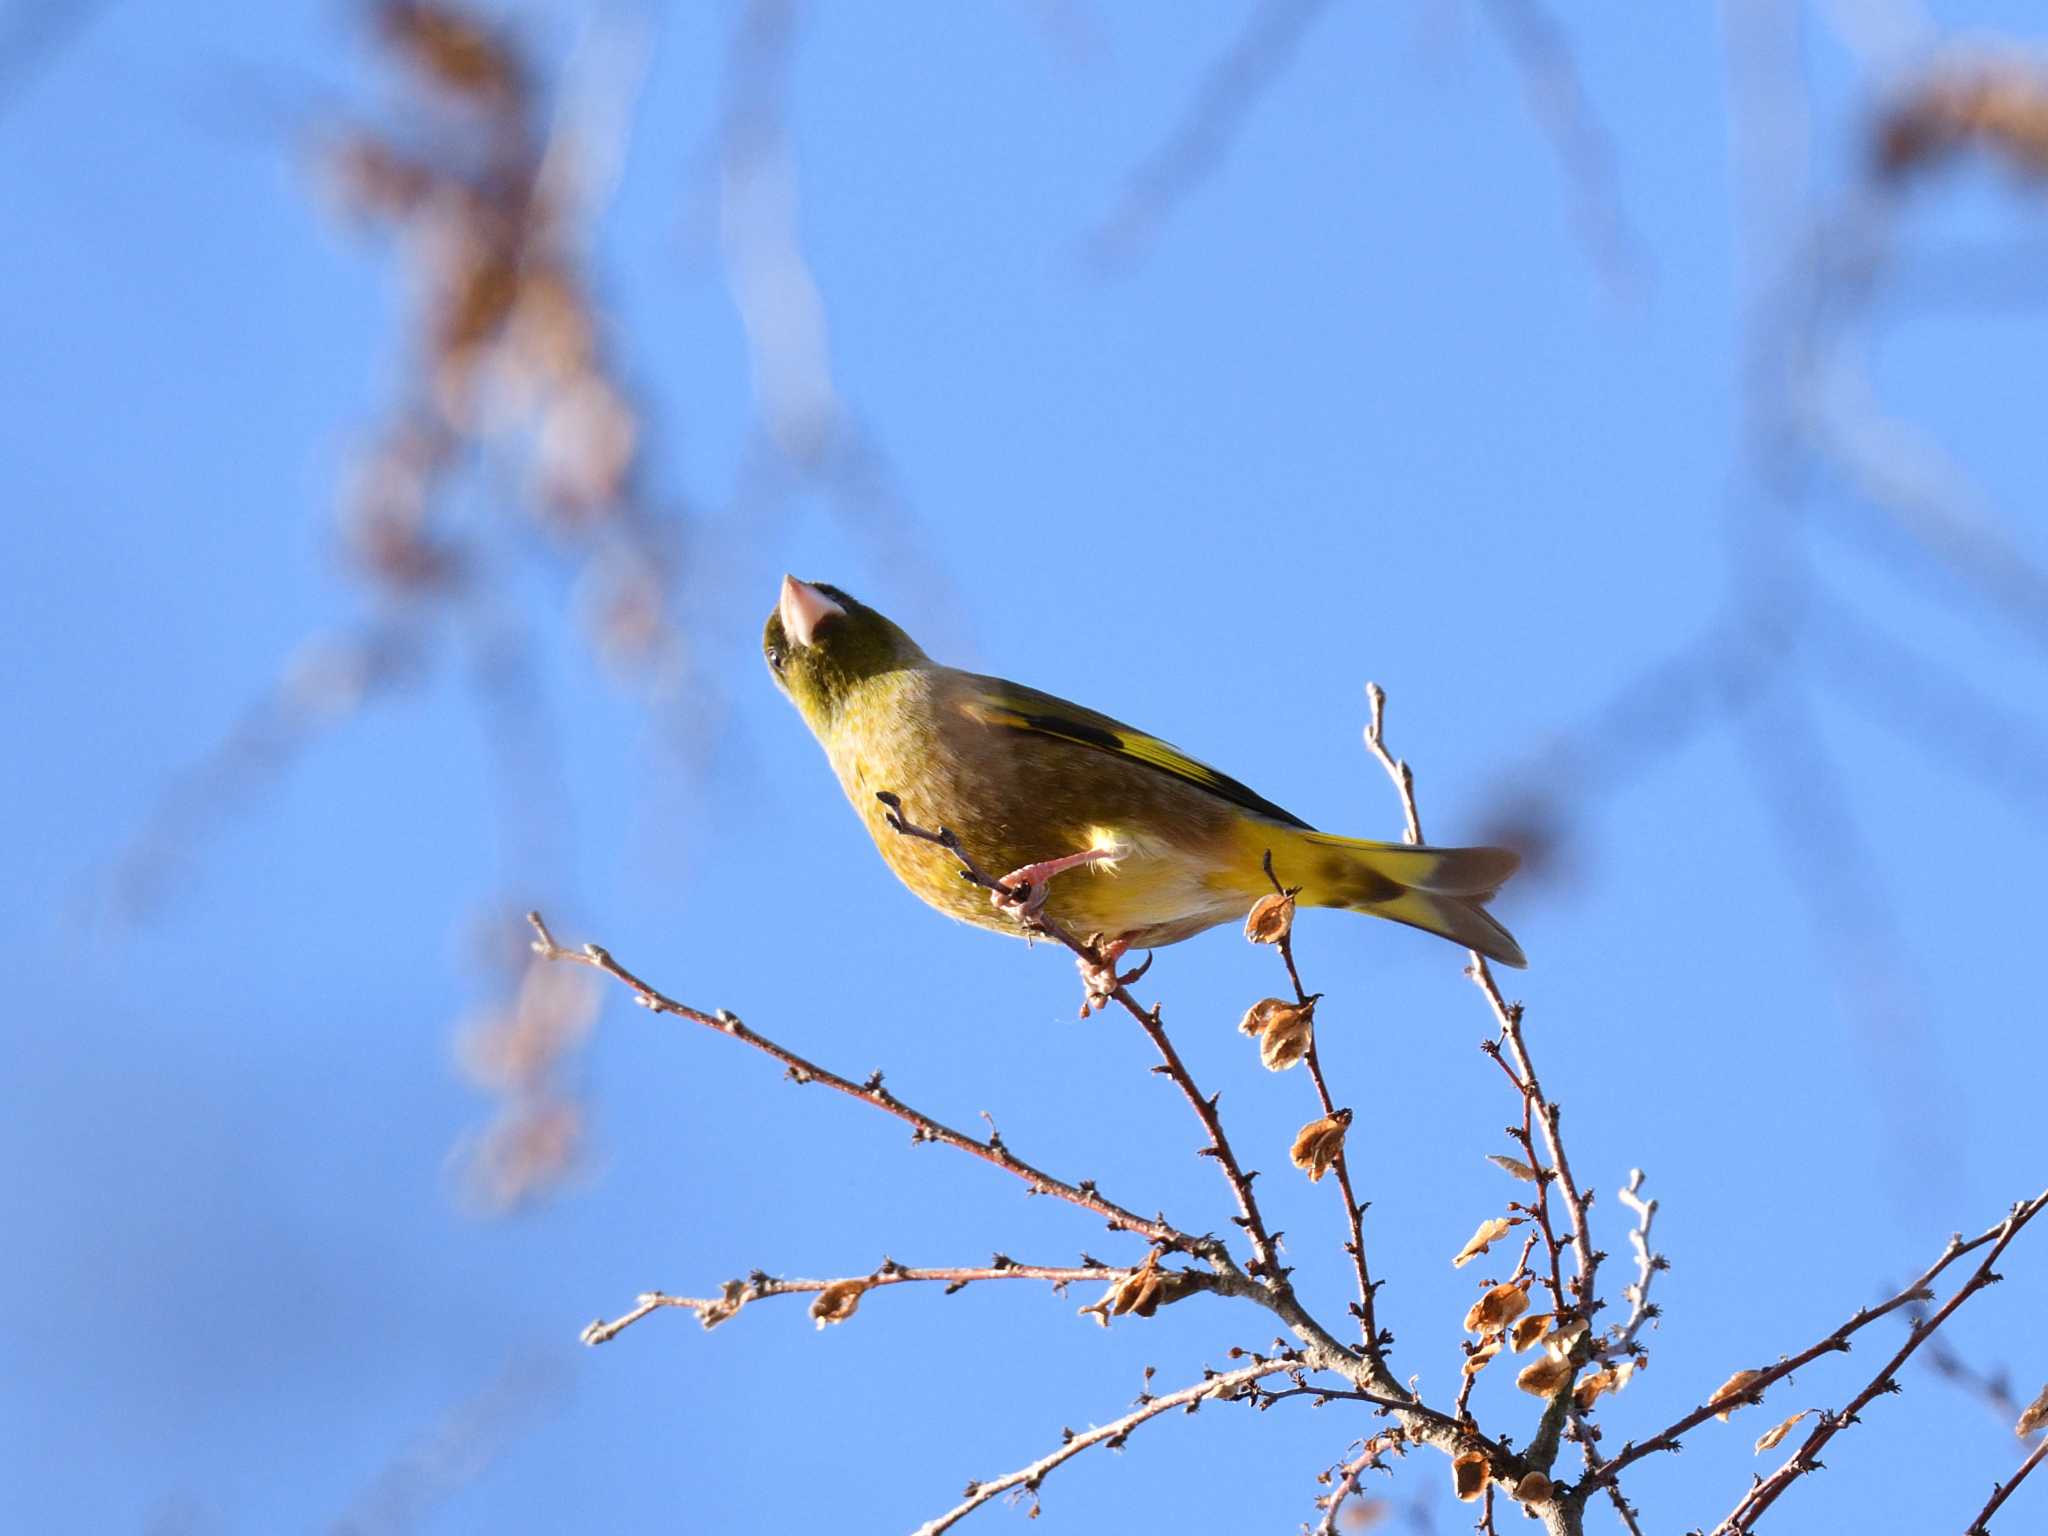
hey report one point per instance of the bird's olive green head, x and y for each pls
(821, 644)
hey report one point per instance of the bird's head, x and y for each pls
(820, 644)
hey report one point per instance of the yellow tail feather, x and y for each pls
(1443, 891)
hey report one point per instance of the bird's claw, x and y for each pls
(1099, 978)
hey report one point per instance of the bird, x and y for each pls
(1104, 829)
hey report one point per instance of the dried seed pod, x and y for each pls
(1534, 1488)
(1469, 1474)
(1735, 1393)
(1491, 1231)
(1769, 1439)
(1590, 1388)
(1544, 1376)
(2036, 1416)
(1529, 1329)
(1142, 1292)
(1497, 1308)
(1318, 1144)
(1284, 1030)
(837, 1302)
(1481, 1356)
(1514, 1167)
(1564, 1337)
(1271, 919)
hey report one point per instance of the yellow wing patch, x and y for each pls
(1012, 707)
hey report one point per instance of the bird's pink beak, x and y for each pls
(803, 608)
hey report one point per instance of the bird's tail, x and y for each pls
(1439, 890)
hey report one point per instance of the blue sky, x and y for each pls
(1362, 406)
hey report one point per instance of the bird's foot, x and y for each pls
(1024, 889)
(1099, 978)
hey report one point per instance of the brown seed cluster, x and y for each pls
(1142, 1292)
(1319, 1144)
(1284, 1030)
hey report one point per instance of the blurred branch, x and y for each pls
(35, 32)
(1558, 101)
(1992, 1387)
(456, 1451)
(1199, 142)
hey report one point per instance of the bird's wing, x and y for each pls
(1002, 705)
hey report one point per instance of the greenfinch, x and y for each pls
(1109, 831)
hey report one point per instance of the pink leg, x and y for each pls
(1035, 878)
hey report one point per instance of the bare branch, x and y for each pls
(1920, 1289)
(736, 1294)
(1648, 1264)
(924, 1127)
(1223, 1385)
(1536, 1107)
(2000, 1492)
(1368, 1326)
(1806, 1459)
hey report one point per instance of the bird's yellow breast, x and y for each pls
(1015, 798)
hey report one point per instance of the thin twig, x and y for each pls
(1347, 1485)
(1536, 1105)
(1354, 1213)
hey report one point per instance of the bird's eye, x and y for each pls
(775, 658)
